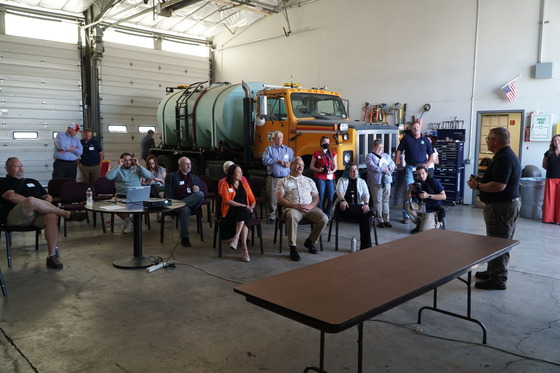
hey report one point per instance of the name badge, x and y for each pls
(188, 190)
(91, 148)
(30, 185)
(286, 156)
(329, 176)
(230, 190)
(181, 182)
(319, 157)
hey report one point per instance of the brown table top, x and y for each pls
(113, 207)
(339, 293)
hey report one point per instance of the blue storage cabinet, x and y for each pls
(451, 169)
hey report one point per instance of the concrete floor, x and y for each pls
(93, 317)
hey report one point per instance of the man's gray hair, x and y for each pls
(502, 134)
(275, 133)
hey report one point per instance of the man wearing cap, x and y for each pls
(92, 157)
(147, 143)
(67, 151)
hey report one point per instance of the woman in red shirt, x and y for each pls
(238, 203)
(323, 164)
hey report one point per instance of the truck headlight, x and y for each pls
(343, 127)
(345, 137)
(347, 156)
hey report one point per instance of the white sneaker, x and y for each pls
(128, 226)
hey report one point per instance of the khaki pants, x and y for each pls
(89, 173)
(425, 220)
(271, 183)
(293, 217)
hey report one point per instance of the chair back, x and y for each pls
(257, 186)
(74, 192)
(210, 185)
(53, 187)
(104, 187)
(218, 207)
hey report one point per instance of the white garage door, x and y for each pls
(133, 81)
(40, 94)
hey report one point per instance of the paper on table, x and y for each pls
(113, 207)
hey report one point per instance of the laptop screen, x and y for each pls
(138, 194)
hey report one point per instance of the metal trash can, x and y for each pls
(532, 196)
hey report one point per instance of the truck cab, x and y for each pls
(304, 115)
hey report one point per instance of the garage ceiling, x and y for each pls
(200, 19)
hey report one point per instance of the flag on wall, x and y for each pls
(509, 90)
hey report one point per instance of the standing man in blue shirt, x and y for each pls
(92, 157)
(67, 151)
(277, 159)
(418, 152)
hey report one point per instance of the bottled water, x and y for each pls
(89, 197)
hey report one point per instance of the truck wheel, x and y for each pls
(168, 161)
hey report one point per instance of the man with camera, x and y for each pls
(426, 196)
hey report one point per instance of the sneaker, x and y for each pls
(310, 246)
(405, 220)
(185, 242)
(128, 226)
(483, 275)
(388, 225)
(294, 255)
(415, 230)
(490, 285)
(53, 262)
(77, 216)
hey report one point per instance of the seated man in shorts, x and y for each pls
(24, 202)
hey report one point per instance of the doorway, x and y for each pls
(486, 120)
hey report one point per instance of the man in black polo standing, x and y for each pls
(499, 190)
(92, 157)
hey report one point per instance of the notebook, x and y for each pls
(137, 194)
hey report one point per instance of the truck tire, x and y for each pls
(168, 161)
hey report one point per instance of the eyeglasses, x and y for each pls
(378, 141)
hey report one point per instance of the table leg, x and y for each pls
(468, 317)
(138, 260)
(360, 345)
(321, 368)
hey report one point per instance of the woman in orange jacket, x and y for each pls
(238, 202)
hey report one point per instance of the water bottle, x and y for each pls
(89, 197)
(353, 245)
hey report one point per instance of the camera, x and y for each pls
(416, 189)
(325, 170)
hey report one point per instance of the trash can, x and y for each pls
(532, 196)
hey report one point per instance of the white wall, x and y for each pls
(453, 54)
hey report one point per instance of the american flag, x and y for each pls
(509, 90)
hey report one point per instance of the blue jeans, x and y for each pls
(326, 191)
(191, 202)
(408, 179)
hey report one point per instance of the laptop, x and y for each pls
(137, 195)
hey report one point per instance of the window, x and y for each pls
(25, 135)
(316, 105)
(42, 28)
(145, 129)
(276, 107)
(117, 128)
(185, 48)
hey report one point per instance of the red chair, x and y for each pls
(73, 198)
(104, 189)
(53, 188)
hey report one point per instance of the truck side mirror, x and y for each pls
(262, 107)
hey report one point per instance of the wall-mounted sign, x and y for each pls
(541, 126)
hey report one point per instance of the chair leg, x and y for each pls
(374, 224)
(275, 231)
(65, 228)
(280, 238)
(37, 235)
(9, 248)
(3, 285)
(336, 237)
(208, 210)
(199, 224)
(330, 229)
(259, 233)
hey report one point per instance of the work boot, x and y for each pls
(310, 246)
(77, 216)
(53, 262)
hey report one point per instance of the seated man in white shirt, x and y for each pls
(299, 197)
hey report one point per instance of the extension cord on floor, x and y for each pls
(155, 267)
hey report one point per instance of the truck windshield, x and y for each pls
(307, 105)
